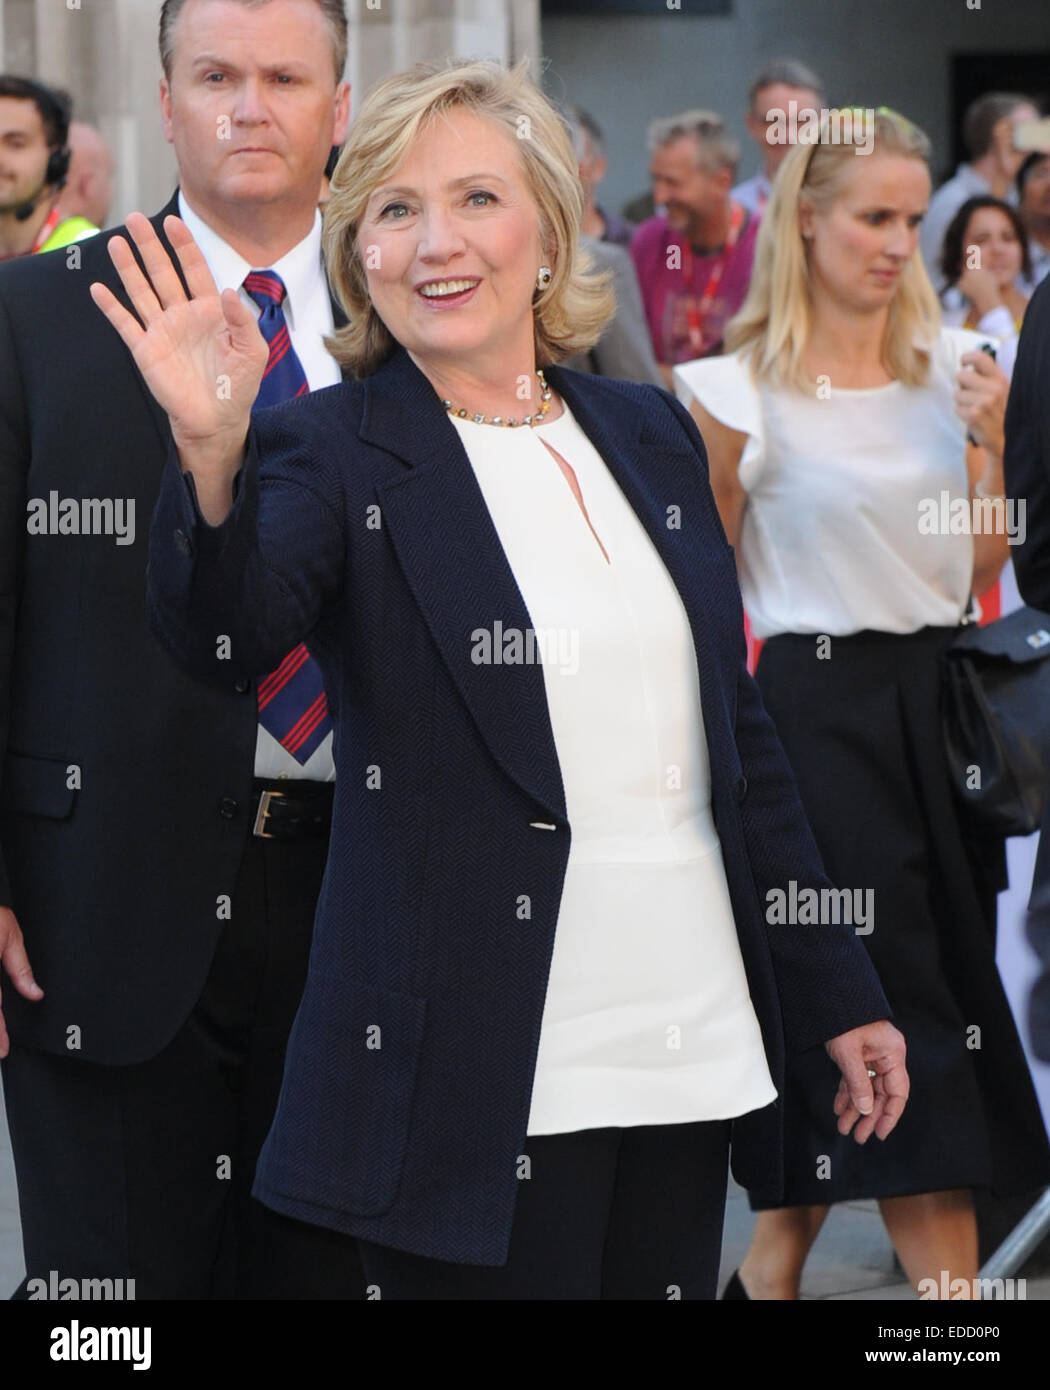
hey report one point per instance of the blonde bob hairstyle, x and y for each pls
(570, 314)
(774, 324)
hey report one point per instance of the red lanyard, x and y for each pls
(46, 230)
(698, 310)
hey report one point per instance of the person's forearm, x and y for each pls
(214, 463)
(991, 542)
(991, 483)
(990, 553)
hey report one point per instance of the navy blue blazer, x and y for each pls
(358, 525)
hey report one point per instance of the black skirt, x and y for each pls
(859, 718)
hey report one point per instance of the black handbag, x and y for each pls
(996, 721)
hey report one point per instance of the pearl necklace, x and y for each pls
(498, 419)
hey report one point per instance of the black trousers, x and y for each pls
(144, 1172)
(632, 1213)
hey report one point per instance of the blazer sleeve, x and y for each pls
(246, 592)
(1026, 461)
(826, 982)
(14, 467)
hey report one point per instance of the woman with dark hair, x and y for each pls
(985, 252)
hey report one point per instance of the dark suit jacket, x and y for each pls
(410, 1066)
(125, 782)
(1027, 458)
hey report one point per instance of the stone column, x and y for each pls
(18, 37)
(388, 35)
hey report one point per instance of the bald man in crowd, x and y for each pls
(89, 184)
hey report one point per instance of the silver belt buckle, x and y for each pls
(261, 814)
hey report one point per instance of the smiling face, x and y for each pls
(691, 194)
(858, 247)
(450, 242)
(23, 152)
(993, 233)
(252, 106)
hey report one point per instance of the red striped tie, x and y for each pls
(292, 704)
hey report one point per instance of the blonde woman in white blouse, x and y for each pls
(543, 992)
(836, 427)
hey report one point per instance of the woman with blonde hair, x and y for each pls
(542, 989)
(840, 412)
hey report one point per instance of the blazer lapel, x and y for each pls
(458, 571)
(451, 555)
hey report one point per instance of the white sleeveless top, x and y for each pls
(849, 498)
(648, 1019)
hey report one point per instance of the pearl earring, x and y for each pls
(543, 277)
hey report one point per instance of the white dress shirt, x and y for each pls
(308, 312)
(648, 1017)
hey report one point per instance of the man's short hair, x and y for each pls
(788, 72)
(54, 105)
(583, 125)
(716, 148)
(983, 115)
(334, 12)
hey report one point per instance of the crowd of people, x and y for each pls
(365, 969)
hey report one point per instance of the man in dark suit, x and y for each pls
(1026, 465)
(163, 838)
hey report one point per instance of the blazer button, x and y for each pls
(228, 808)
(183, 543)
(741, 788)
(242, 687)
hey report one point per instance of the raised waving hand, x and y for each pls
(201, 354)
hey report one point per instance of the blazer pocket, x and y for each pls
(342, 1121)
(38, 786)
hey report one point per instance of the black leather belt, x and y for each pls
(291, 809)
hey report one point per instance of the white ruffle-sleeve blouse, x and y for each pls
(853, 514)
(648, 1018)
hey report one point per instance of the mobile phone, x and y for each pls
(989, 348)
